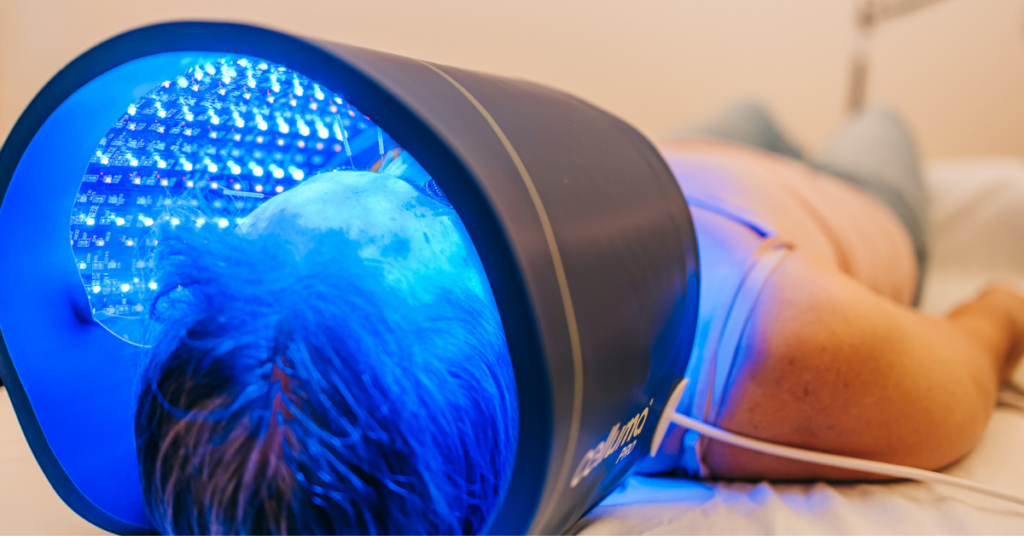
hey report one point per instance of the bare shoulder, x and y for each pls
(830, 365)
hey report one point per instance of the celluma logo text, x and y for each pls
(617, 437)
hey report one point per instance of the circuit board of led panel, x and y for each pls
(214, 143)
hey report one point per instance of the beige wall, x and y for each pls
(956, 70)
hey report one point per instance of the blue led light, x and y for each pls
(214, 142)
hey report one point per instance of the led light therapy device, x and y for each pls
(584, 236)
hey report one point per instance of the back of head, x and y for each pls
(292, 396)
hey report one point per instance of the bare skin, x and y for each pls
(838, 368)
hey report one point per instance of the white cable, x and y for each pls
(844, 462)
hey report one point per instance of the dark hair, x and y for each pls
(288, 397)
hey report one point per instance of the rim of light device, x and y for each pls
(387, 111)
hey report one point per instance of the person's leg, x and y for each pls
(746, 122)
(876, 152)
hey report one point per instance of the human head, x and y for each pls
(336, 365)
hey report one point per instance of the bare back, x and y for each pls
(833, 357)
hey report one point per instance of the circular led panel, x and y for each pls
(206, 148)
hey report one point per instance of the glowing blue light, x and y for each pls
(125, 287)
(173, 147)
(96, 289)
(321, 130)
(152, 285)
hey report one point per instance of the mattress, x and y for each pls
(977, 213)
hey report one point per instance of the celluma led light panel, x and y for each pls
(585, 238)
(206, 147)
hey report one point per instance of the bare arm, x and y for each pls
(834, 367)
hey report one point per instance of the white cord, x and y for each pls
(844, 462)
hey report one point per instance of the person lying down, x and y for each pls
(345, 371)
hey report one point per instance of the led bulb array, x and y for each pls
(205, 147)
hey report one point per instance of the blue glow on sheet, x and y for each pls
(700, 498)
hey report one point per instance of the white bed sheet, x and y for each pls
(977, 221)
(977, 236)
